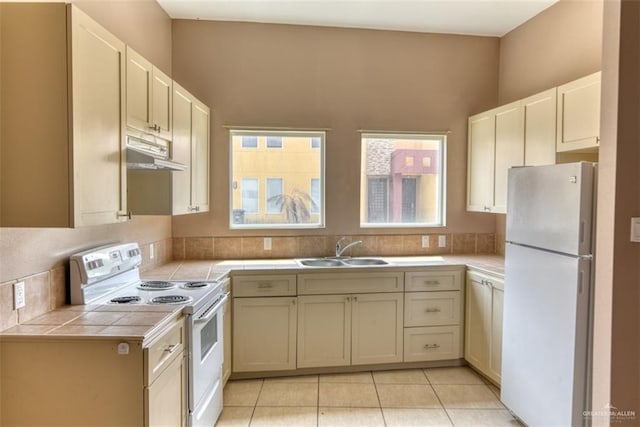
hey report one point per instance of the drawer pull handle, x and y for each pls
(170, 349)
(432, 282)
(431, 346)
(432, 310)
(265, 285)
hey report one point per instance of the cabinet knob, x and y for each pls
(432, 310)
(432, 282)
(355, 299)
(487, 209)
(171, 348)
(265, 285)
(431, 346)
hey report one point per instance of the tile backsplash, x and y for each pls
(314, 246)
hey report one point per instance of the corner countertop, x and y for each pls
(216, 269)
(131, 323)
(144, 322)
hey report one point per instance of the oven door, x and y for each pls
(205, 365)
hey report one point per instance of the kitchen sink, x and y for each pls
(364, 261)
(320, 262)
(340, 262)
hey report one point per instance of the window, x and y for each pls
(274, 142)
(249, 195)
(287, 199)
(403, 180)
(274, 195)
(249, 141)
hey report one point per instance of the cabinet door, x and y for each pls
(480, 166)
(377, 328)
(579, 115)
(181, 149)
(476, 333)
(226, 364)
(200, 157)
(264, 334)
(540, 128)
(139, 91)
(161, 101)
(494, 367)
(509, 149)
(165, 399)
(324, 331)
(99, 173)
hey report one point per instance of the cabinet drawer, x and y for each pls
(437, 280)
(432, 343)
(350, 283)
(159, 354)
(431, 308)
(258, 286)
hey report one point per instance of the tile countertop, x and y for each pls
(133, 323)
(143, 322)
(213, 270)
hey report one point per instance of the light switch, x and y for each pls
(635, 230)
(151, 254)
(19, 298)
(267, 243)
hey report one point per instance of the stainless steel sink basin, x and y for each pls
(320, 262)
(340, 262)
(364, 261)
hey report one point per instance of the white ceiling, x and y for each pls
(475, 17)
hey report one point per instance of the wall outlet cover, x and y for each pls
(151, 254)
(267, 243)
(425, 241)
(442, 241)
(19, 298)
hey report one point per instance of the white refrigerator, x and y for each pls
(547, 293)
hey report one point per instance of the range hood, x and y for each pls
(150, 154)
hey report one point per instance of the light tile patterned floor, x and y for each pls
(411, 397)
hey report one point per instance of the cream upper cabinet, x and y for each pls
(149, 94)
(191, 148)
(480, 162)
(578, 115)
(264, 334)
(495, 144)
(509, 146)
(65, 70)
(483, 324)
(540, 128)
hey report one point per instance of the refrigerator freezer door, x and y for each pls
(544, 357)
(550, 207)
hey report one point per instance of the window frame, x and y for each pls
(441, 188)
(284, 133)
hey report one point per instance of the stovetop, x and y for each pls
(110, 275)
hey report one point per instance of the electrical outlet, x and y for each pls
(151, 254)
(425, 241)
(442, 241)
(267, 243)
(19, 300)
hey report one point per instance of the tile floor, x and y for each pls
(414, 397)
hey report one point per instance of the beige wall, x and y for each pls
(617, 299)
(342, 79)
(23, 252)
(561, 44)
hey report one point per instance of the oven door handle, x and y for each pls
(213, 310)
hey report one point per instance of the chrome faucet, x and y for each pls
(340, 250)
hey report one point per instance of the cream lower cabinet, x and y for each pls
(343, 330)
(63, 91)
(433, 306)
(341, 322)
(483, 330)
(264, 323)
(94, 381)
